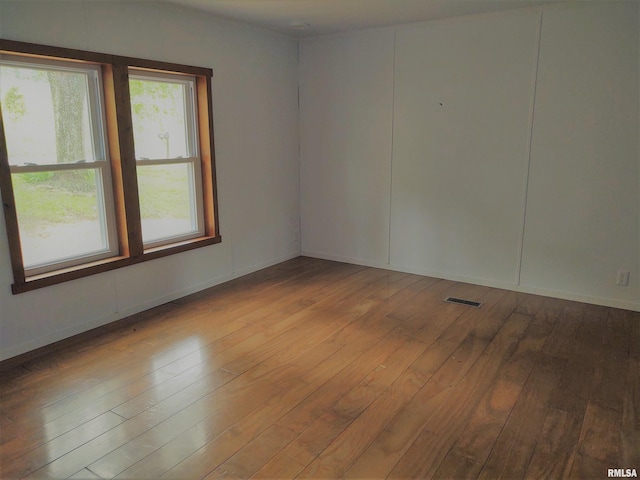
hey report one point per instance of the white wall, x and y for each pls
(378, 161)
(346, 105)
(490, 187)
(584, 192)
(256, 138)
(460, 145)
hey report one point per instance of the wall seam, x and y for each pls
(299, 226)
(529, 151)
(393, 111)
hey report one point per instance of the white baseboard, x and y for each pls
(112, 317)
(119, 315)
(58, 335)
(269, 263)
(606, 302)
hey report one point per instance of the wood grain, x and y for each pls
(316, 369)
(122, 160)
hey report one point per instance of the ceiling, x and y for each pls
(314, 17)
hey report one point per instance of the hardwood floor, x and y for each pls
(316, 369)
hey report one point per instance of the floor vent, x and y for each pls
(461, 301)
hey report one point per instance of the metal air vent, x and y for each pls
(462, 301)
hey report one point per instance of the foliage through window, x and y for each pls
(164, 130)
(54, 134)
(105, 161)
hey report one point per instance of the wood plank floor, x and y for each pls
(316, 369)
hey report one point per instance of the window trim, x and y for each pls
(119, 143)
(193, 152)
(100, 162)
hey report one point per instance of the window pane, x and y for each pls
(46, 115)
(60, 215)
(161, 118)
(167, 201)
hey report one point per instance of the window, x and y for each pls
(168, 168)
(54, 132)
(105, 161)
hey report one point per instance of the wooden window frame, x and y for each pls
(192, 155)
(96, 161)
(115, 81)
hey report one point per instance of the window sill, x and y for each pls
(65, 275)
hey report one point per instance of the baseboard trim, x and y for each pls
(606, 302)
(68, 336)
(65, 338)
